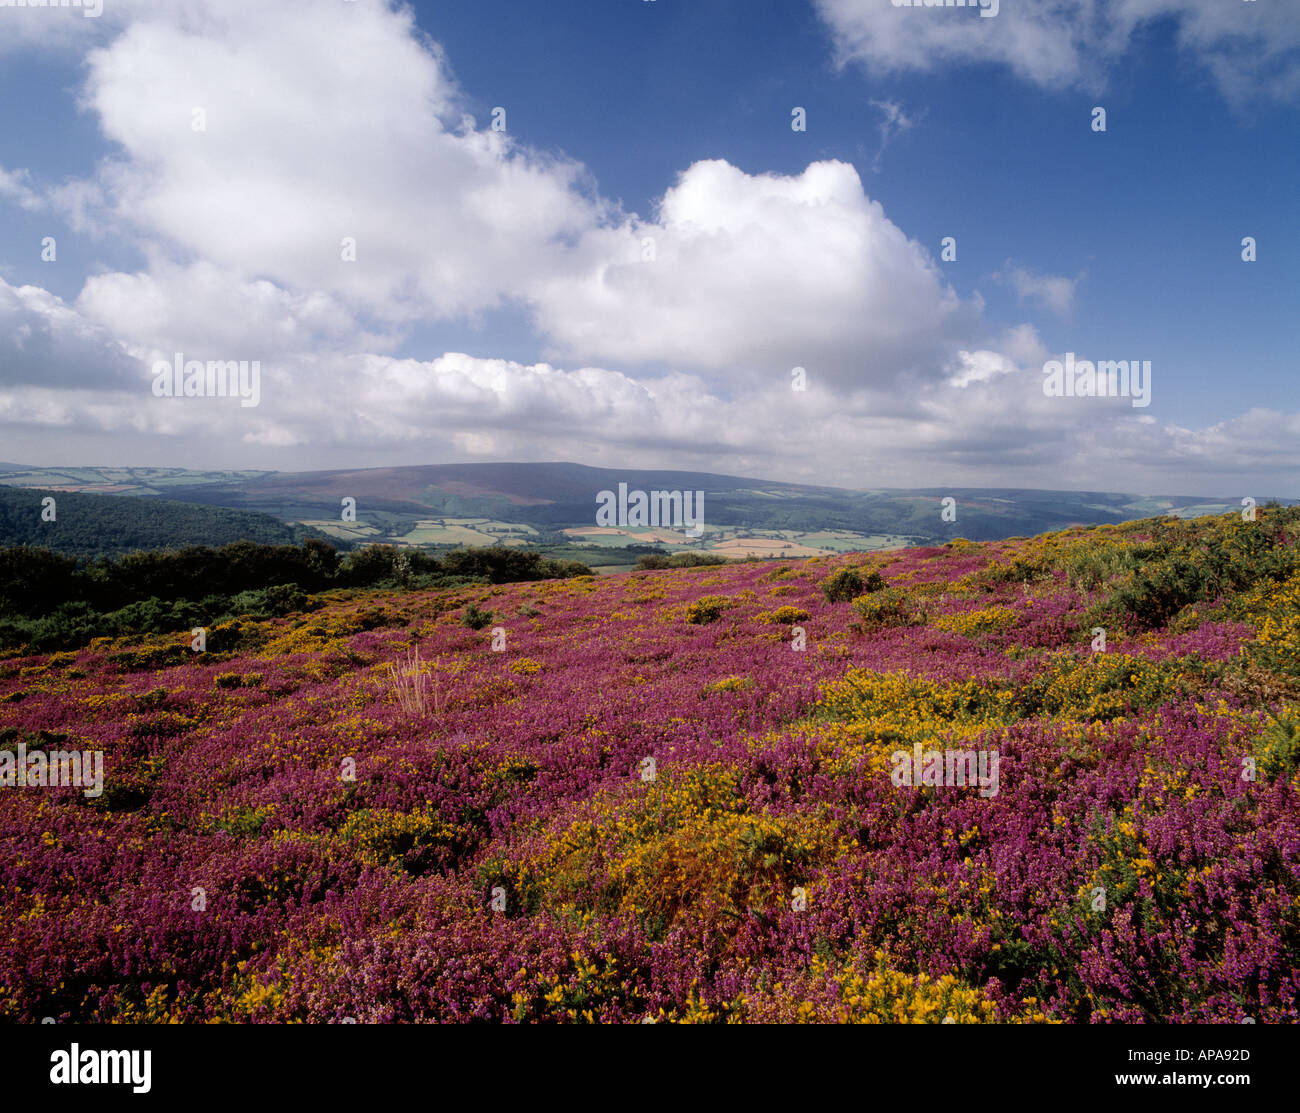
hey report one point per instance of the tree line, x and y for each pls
(52, 601)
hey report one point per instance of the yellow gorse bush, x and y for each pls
(978, 622)
(525, 666)
(686, 847)
(879, 994)
(1275, 611)
(785, 614)
(385, 837)
(731, 684)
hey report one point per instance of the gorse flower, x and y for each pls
(649, 801)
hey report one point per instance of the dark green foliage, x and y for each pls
(51, 602)
(689, 559)
(499, 565)
(91, 526)
(33, 581)
(370, 565)
(271, 602)
(842, 585)
(474, 618)
(1158, 591)
(1184, 564)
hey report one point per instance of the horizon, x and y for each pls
(11, 466)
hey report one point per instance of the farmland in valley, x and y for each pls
(550, 507)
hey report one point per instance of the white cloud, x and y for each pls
(17, 186)
(895, 122)
(50, 26)
(1056, 292)
(1249, 48)
(47, 342)
(987, 422)
(210, 312)
(320, 126)
(754, 275)
(346, 122)
(980, 367)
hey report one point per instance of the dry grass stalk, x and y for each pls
(409, 683)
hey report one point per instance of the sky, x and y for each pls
(829, 241)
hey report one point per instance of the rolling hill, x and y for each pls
(552, 505)
(93, 525)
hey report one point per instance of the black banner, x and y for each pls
(336, 1061)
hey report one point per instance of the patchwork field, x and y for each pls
(742, 543)
(757, 546)
(678, 795)
(609, 535)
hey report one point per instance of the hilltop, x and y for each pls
(95, 525)
(676, 795)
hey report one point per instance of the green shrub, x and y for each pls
(888, 607)
(842, 585)
(689, 559)
(1278, 748)
(407, 840)
(151, 700)
(1018, 571)
(1157, 592)
(227, 637)
(873, 581)
(151, 658)
(562, 569)
(244, 821)
(693, 559)
(271, 602)
(474, 618)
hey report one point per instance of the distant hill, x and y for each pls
(550, 504)
(92, 526)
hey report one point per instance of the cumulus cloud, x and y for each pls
(667, 338)
(210, 312)
(754, 275)
(258, 215)
(751, 274)
(986, 421)
(1249, 49)
(45, 342)
(354, 141)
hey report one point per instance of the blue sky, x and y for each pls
(499, 309)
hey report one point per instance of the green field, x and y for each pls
(535, 505)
